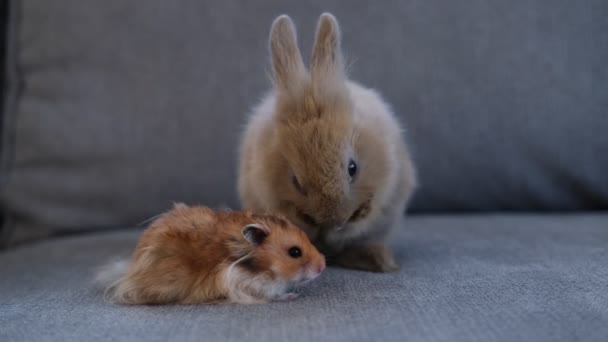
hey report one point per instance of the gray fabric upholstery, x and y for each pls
(118, 107)
(463, 278)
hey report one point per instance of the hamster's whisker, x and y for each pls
(148, 220)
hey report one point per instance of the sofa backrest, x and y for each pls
(116, 108)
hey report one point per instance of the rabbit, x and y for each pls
(195, 255)
(326, 152)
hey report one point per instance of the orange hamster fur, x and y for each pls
(192, 255)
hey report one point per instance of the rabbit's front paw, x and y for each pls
(372, 258)
(286, 297)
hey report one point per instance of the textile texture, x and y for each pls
(463, 278)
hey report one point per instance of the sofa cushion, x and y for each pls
(463, 278)
(117, 108)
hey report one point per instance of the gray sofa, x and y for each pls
(114, 109)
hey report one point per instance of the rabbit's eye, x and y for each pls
(352, 169)
(297, 185)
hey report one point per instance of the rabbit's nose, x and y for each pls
(342, 225)
(336, 222)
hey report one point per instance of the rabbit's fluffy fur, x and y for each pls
(300, 145)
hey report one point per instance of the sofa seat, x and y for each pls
(491, 277)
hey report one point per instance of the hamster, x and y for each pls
(194, 255)
(327, 152)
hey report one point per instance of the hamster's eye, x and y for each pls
(352, 169)
(297, 185)
(295, 252)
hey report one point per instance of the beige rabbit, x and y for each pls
(326, 152)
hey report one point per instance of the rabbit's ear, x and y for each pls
(287, 61)
(327, 65)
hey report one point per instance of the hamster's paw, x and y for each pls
(287, 297)
(372, 258)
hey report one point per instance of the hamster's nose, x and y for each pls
(320, 266)
(315, 269)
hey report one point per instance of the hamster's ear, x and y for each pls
(255, 233)
(287, 64)
(179, 205)
(327, 65)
